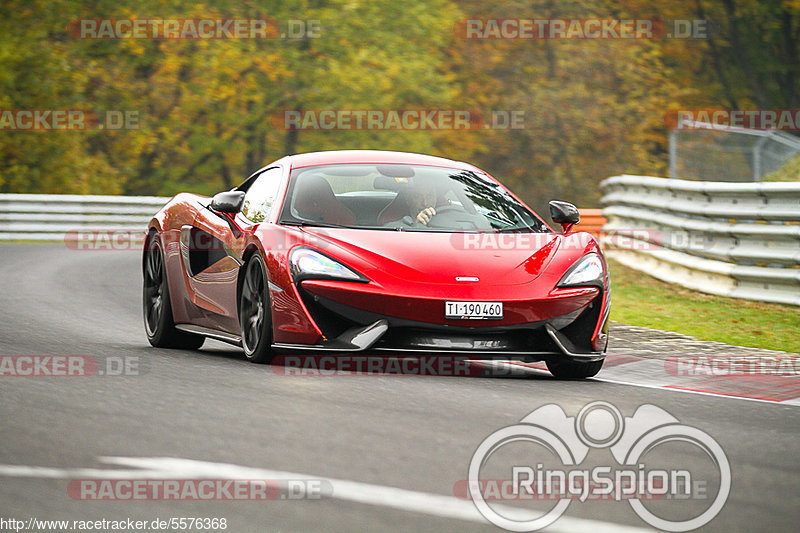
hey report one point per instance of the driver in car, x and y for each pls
(414, 204)
(421, 200)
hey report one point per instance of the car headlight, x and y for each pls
(307, 263)
(586, 271)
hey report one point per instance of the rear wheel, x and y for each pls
(255, 312)
(158, 322)
(573, 369)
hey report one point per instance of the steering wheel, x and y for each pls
(449, 208)
(444, 218)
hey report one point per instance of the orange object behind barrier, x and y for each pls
(592, 220)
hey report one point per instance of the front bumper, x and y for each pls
(567, 336)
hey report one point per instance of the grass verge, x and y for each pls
(640, 300)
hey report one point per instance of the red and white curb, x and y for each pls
(741, 377)
(773, 379)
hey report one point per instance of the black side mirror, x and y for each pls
(228, 202)
(564, 213)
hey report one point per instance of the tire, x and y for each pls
(255, 312)
(158, 322)
(574, 370)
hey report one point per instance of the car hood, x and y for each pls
(434, 257)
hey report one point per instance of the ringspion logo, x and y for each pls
(557, 446)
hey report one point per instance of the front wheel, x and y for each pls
(574, 369)
(255, 312)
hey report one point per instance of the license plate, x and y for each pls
(473, 310)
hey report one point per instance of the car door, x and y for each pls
(212, 249)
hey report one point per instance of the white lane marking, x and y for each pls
(644, 371)
(354, 491)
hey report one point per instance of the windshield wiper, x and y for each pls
(516, 230)
(312, 224)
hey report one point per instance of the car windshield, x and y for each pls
(403, 197)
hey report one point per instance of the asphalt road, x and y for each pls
(416, 433)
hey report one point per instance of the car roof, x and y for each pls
(373, 156)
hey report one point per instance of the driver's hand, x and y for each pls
(425, 215)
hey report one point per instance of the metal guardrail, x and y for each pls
(733, 239)
(48, 217)
(54, 217)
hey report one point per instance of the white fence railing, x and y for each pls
(46, 217)
(734, 239)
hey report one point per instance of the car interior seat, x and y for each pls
(314, 200)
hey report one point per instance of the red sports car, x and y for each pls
(354, 251)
